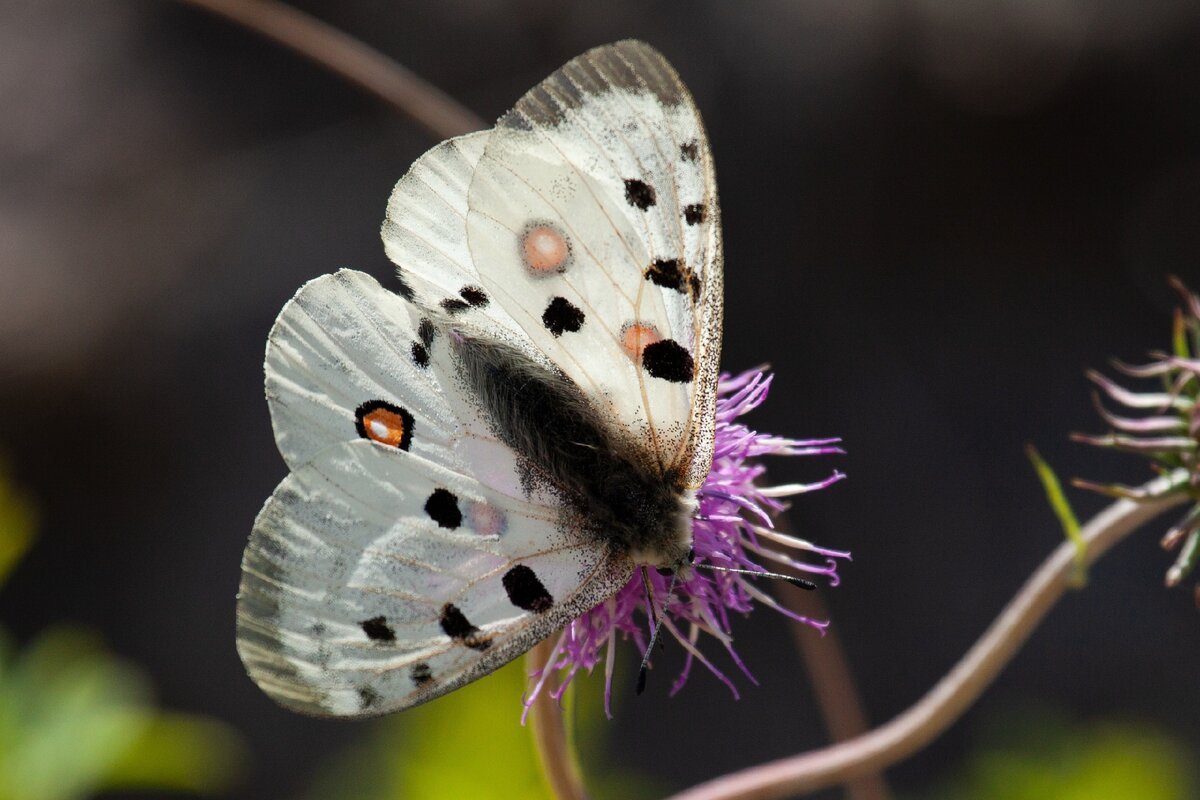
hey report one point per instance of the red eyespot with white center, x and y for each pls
(544, 249)
(380, 421)
(636, 336)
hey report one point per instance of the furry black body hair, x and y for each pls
(613, 483)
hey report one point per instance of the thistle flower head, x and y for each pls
(733, 528)
(1166, 429)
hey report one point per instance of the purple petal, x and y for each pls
(734, 511)
(1144, 425)
(1158, 400)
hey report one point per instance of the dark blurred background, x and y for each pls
(937, 214)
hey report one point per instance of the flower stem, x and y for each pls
(951, 696)
(833, 685)
(550, 735)
(429, 106)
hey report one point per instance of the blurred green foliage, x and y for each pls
(17, 524)
(1035, 756)
(75, 720)
(471, 743)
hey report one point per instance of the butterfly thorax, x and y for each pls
(610, 485)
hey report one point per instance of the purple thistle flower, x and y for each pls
(733, 528)
(1169, 433)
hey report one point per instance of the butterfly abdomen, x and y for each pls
(611, 486)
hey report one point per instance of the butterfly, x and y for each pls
(486, 454)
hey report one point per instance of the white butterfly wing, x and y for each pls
(424, 232)
(405, 555)
(593, 239)
(343, 341)
(343, 351)
(375, 580)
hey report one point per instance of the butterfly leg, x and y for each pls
(656, 623)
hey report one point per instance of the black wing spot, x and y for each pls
(442, 508)
(669, 360)
(453, 305)
(639, 193)
(561, 316)
(525, 590)
(377, 629)
(420, 355)
(689, 151)
(669, 273)
(474, 295)
(426, 331)
(367, 697)
(421, 674)
(459, 628)
(695, 213)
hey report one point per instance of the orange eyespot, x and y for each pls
(384, 423)
(635, 337)
(544, 249)
(385, 426)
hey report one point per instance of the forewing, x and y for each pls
(348, 359)
(344, 341)
(592, 241)
(375, 580)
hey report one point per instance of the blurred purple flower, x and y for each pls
(1169, 434)
(734, 528)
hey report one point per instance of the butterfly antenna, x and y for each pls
(792, 579)
(642, 670)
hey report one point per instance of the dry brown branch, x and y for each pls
(429, 106)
